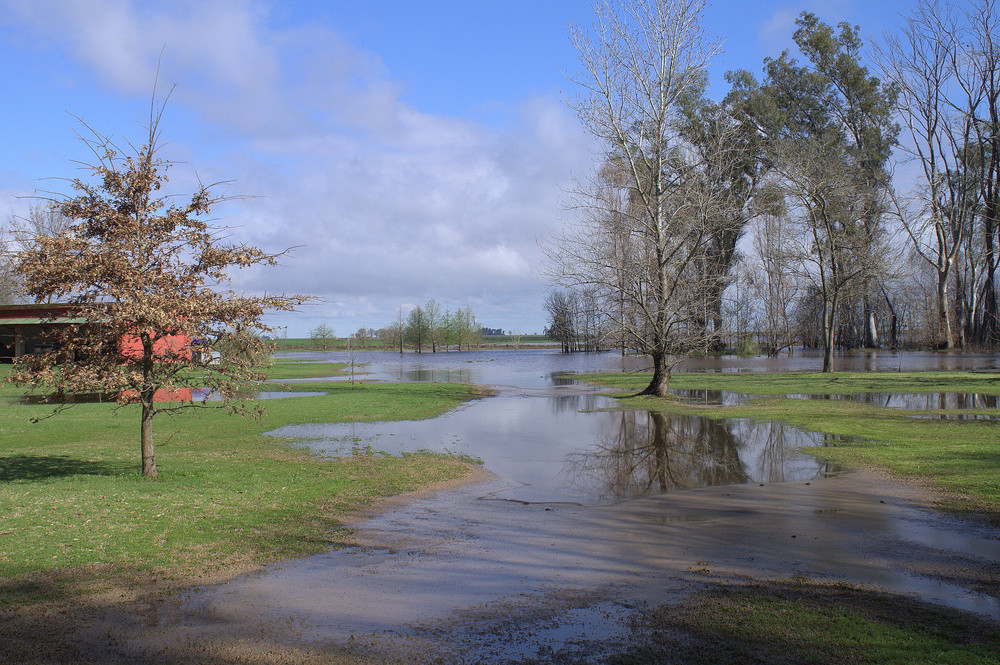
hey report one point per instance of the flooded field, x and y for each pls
(558, 442)
(564, 448)
(591, 515)
(545, 367)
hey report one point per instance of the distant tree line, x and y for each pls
(426, 327)
(432, 327)
(575, 321)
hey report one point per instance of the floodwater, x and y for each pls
(562, 448)
(591, 516)
(524, 366)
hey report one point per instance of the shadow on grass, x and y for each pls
(41, 467)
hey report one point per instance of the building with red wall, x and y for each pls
(24, 329)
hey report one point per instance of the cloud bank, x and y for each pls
(382, 204)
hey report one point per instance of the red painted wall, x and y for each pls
(171, 348)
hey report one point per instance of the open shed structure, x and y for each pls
(24, 328)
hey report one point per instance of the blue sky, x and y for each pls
(405, 150)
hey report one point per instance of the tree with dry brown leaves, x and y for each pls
(149, 280)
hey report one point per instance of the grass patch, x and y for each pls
(78, 518)
(959, 457)
(798, 622)
(814, 383)
(332, 344)
(293, 368)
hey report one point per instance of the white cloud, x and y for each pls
(383, 203)
(779, 28)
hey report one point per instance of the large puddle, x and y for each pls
(563, 448)
(559, 443)
(593, 515)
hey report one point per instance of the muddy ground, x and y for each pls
(461, 576)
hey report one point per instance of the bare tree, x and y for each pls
(41, 221)
(977, 72)
(150, 280)
(921, 60)
(644, 226)
(398, 329)
(322, 335)
(821, 188)
(775, 282)
(560, 307)
(22, 233)
(432, 317)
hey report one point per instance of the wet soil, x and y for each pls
(463, 577)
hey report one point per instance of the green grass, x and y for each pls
(798, 622)
(335, 344)
(299, 369)
(960, 458)
(77, 514)
(815, 383)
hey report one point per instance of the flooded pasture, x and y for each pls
(589, 516)
(565, 448)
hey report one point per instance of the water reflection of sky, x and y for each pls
(518, 367)
(542, 432)
(526, 368)
(916, 401)
(562, 451)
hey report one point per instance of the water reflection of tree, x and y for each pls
(775, 450)
(919, 401)
(776, 444)
(654, 452)
(573, 403)
(431, 374)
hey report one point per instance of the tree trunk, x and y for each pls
(146, 436)
(871, 327)
(991, 316)
(828, 321)
(961, 311)
(661, 377)
(944, 311)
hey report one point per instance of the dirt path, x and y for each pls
(463, 577)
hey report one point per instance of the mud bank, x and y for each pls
(462, 576)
